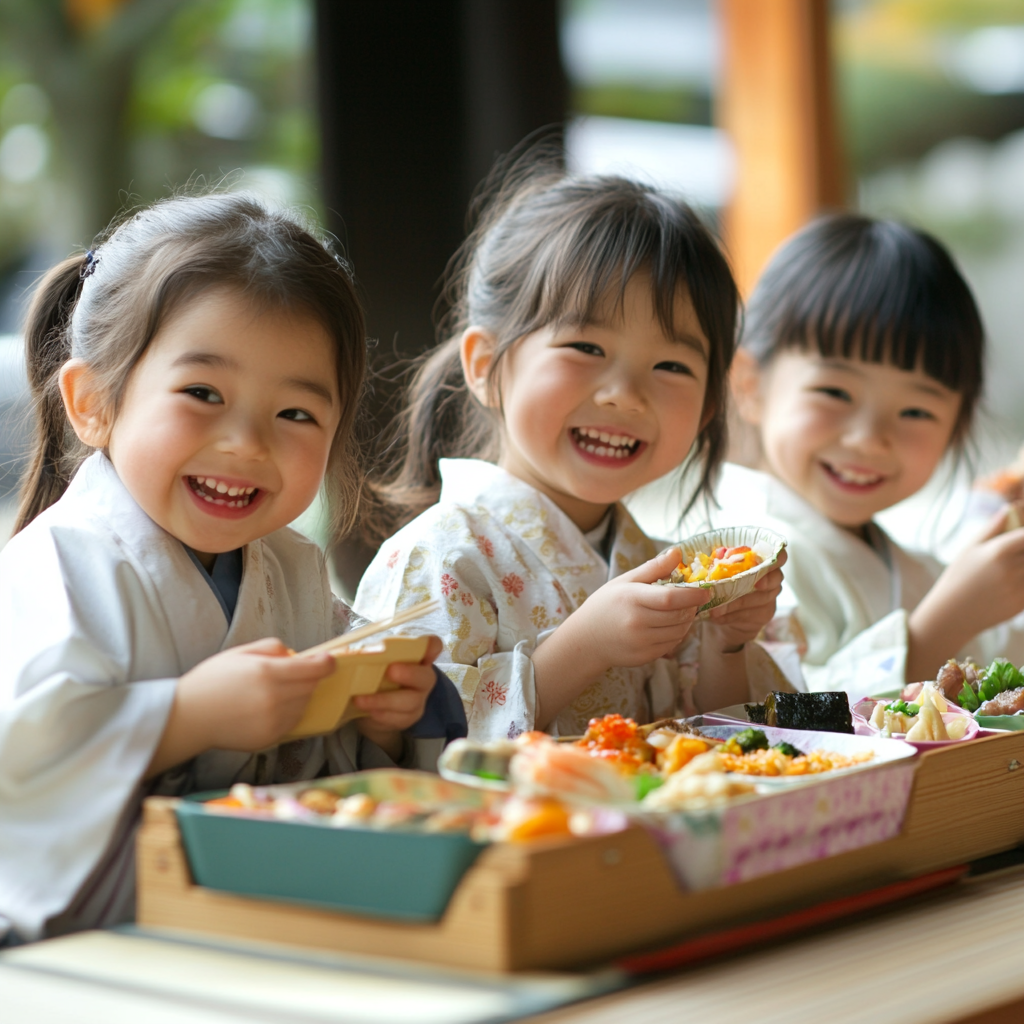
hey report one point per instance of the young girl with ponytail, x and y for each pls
(591, 330)
(196, 378)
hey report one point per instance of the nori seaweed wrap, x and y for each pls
(822, 712)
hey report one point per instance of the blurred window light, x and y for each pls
(224, 110)
(264, 25)
(24, 151)
(691, 161)
(24, 103)
(279, 188)
(1007, 176)
(954, 179)
(991, 60)
(640, 41)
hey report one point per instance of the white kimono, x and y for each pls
(508, 566)
(844, 601)
(100, 612)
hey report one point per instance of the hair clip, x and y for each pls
(89, 266)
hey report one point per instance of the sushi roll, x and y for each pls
(822, 712)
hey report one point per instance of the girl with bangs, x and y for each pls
(591, 329)
(860, 368)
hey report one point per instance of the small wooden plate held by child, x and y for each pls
(754, 542)
(358, 671)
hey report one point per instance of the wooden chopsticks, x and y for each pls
(339, 643)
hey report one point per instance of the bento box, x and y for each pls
(403, 874)
(791, 821)
(568, 902)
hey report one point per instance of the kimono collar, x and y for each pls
(194, 615)
(554, 537)
(764, 497)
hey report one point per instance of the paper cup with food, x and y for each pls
(726, 563)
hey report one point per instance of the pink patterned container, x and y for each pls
(790, 823)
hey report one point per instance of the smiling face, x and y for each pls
(591, 413)
(850, 437)
(227, 421)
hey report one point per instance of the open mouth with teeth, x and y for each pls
(605, 445)
(220, 493)
(852, 479)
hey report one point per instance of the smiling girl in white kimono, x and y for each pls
(211, 354)
(860, 368)
(587, 352)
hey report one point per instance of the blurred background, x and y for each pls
(382, 115)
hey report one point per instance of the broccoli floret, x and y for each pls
(751, 739)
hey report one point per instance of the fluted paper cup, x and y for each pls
(766, 543)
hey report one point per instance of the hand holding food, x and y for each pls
(742, 620)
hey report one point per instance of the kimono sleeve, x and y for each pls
(76, 736)
(491, 667)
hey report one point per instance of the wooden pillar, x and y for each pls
(776, 102)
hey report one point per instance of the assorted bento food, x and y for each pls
(925, 720)
(998, 690)
(621, 764)
(722, 563)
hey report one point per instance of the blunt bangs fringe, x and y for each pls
(856, 288)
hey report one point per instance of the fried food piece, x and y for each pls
(318, 800)
(1009, 702)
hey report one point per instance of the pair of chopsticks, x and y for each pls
(339, 643)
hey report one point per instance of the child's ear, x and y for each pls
(88, 414)
(477, 350)
(745, 380)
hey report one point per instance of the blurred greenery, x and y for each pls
(144, 96)
(897, 93)
(675, 103)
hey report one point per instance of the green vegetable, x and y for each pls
(647, 783)
(968, 698)
(751, 739)
(482, 774)
(788, 749)
(903, 708)
(1000, 676)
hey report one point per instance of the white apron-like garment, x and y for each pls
(845, 600)
(100, 612)
(508, 566)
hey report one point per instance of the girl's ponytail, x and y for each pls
(56, 450)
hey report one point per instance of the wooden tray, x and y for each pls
(565, 903)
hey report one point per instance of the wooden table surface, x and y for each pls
(956, 955)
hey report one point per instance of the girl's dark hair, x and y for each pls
(549, 247)
(106, 306)
(875, 290)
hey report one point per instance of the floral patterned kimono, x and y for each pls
(508, 566)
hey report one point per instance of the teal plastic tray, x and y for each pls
(405, 875)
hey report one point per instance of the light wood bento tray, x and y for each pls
(565, 903)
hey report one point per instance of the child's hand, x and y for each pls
(981, 587)
(740, 622)
(392, 711)
(245, 698)
(625, 623)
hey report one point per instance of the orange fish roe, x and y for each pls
(616, 739)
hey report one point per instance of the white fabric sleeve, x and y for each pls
(874, 662)
(76, 736)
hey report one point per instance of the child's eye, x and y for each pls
(917, 414)
(204, 394)
(671, 367)
(838, 393)
(586, 348)
(297, 415)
